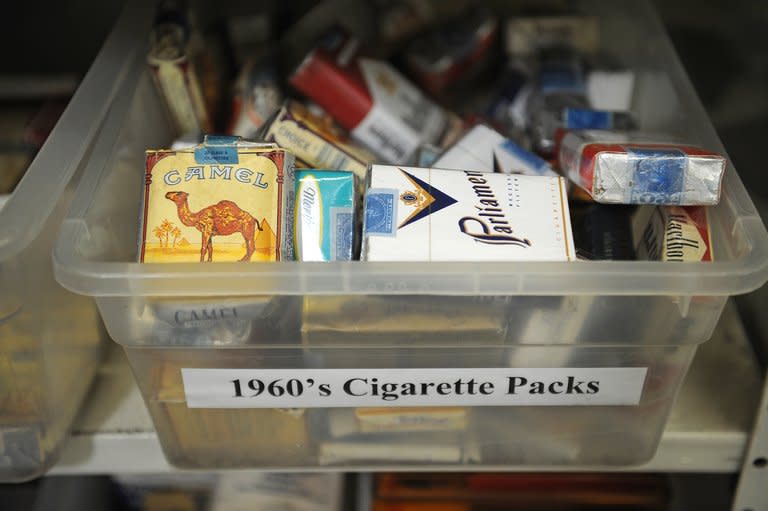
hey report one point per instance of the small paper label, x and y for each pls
(380, 212)
(217, 149)
(215, 154)
(330, 388)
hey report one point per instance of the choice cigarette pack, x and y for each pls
(316, 141)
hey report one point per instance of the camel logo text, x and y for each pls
(216, 172)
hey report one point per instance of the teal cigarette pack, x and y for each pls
(325, 215)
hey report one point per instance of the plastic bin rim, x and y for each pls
(406, 278)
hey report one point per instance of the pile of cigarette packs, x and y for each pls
(466, 138)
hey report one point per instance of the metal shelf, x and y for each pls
(708, 430)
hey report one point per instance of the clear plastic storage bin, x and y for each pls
(50, 338)
(469, 318)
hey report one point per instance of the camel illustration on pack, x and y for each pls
(220, 219)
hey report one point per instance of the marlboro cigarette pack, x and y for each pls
(223, 200)
(622, 169)
(673, 233)
(417, 214)
(380, 107)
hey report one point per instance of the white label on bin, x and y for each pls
(326, 388)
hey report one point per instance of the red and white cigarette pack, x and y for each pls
(371, 99)
(673, 233)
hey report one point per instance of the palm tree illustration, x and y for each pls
(167, 226)
(175, 232)
(158, 233)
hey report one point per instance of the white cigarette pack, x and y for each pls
(419, 214)
(486, 150)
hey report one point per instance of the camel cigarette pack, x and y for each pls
(324, 229)
(316, 141)
(418, 214)
(673, 233)
(223, 200)
(621, 169)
